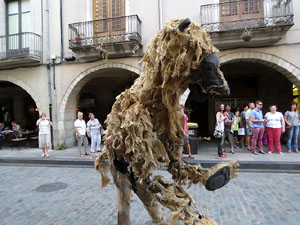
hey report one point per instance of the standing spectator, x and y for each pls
(243, 125)
(235, 126)
(257, 128)
(228, 133)
(186, 130)
(2, 137)
(220, 118)
(292, 126)
(44, 134)
(80, 128)
(249, 125)
(94, 132)
(274, 125)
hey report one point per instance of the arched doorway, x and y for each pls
(17, 105)
(94, 90)
(251, 76)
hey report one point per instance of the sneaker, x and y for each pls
(280, 153)
(297, 151)
(261, 152)
(232, 152)
(255, 153)
(269, 152)
(43, 155)
(223, 156)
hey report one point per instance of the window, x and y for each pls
(229, 9)
(112, 9)
(18, 21)
(251, 6)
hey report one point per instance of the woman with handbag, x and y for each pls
(219, 131)
(292, 127)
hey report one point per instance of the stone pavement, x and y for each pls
(250, 199)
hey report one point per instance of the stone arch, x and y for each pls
(24, 86)
(66, 107)
(287, 69)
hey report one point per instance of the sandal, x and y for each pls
(43, 155)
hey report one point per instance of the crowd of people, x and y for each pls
(249, 127)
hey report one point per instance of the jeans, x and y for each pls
(292, 135)
(220, 143)
(258, 133)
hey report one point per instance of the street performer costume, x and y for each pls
(145, 127)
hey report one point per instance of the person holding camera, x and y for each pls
(44, 124)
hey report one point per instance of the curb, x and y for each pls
(251, 165)
(48, 161)
(247, 165)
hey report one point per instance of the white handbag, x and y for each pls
(218, 133)
(241, 131)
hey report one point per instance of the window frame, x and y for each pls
(19, 33)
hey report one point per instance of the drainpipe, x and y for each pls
(61, 32)
(160, 14)
(48, 64)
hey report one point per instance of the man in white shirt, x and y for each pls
(249, 125)
(80, 128)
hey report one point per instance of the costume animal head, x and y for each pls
(181, 54)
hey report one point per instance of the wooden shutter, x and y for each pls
(104, 9)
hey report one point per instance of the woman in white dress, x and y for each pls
(44, 134)
(220, 118)
(94, 132)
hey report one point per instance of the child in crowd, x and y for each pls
(235, 127)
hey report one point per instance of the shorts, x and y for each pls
(249, 132)
(235, 134)
(186, 140)
(228, 136)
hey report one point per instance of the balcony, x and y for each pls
(112, 37)
(247, 23)
(22, 49)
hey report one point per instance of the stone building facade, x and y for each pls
(53, 54)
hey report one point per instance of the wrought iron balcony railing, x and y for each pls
(20, 44)
(235, 15)
(105, 31)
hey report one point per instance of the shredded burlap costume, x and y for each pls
(146, 126)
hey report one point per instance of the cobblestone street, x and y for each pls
(252, 198)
